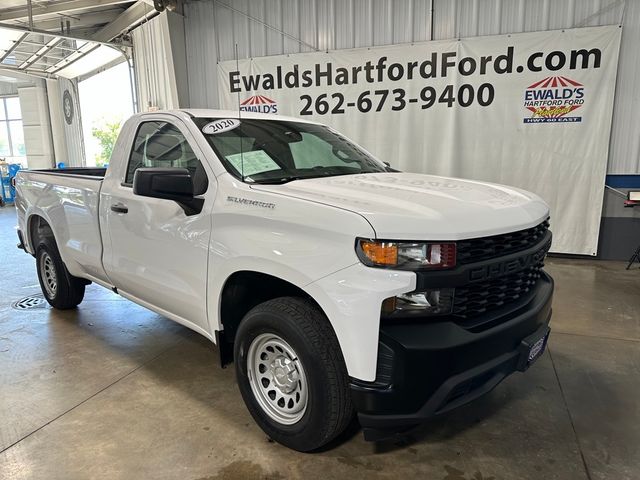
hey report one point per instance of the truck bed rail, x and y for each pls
(90, 172)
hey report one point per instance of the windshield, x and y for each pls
(274, 151)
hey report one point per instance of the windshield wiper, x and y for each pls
(282, 180)
(291, 178)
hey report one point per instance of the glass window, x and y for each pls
(13, 108)
(162, 145)
(277, 151)
(5, 146)
(12, 147)
(17, 138)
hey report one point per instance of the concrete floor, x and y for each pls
(111, 390)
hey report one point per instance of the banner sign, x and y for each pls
(531, 110)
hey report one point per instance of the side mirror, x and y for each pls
(167, 183)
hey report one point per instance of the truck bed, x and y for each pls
(69, 200)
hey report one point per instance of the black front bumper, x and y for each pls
(426, 368)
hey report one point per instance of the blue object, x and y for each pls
(61, 165)
(7, 172)
(13, 169)
(623, 181)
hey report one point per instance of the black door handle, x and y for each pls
(119, 208)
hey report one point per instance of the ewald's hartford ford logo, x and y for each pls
(554, 100)
(259, 103)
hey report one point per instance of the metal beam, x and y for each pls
(85, 20)
(58, 7)
(30, 14)
(44, 32)
(86, 32)
(15, 71)
(131, 15)
(101, 69)
(13, 47)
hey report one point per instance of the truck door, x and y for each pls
(157, 254)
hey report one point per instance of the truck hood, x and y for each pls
(408, 206)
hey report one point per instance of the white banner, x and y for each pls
(532, 110)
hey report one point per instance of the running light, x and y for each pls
(406, 255)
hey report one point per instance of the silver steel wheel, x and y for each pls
(277, 378)
(49, 277)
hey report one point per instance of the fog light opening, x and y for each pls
(426, 302)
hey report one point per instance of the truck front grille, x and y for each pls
(494, 278)
(477, 298)
(478, 249)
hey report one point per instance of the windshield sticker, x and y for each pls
(252, 162)
(219, 126)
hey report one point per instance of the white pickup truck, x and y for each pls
(335, 283)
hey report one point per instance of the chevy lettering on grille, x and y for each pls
(499, 269)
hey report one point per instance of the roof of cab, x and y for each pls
(212, 113)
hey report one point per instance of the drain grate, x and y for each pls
(32, 301)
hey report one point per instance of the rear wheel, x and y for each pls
(291, 373)
(61, 289)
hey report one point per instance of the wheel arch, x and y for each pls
(38, 227)
(243, 290)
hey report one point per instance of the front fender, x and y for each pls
(352, 298)
(225, 269)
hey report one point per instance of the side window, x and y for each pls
(162, 145)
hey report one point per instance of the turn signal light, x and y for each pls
(380, 253)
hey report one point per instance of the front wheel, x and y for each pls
(291, 373)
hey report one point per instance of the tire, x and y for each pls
(302, 343)
(61, 289)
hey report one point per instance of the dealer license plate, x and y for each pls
(537, 349)
(532, 348)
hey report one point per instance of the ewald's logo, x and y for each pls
(259, 103)
(553, 100)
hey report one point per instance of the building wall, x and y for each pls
(36, 126)
(8, 88)
(213, 29)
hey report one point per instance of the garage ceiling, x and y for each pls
(78, 18)
(66, 38)
(44, 54)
